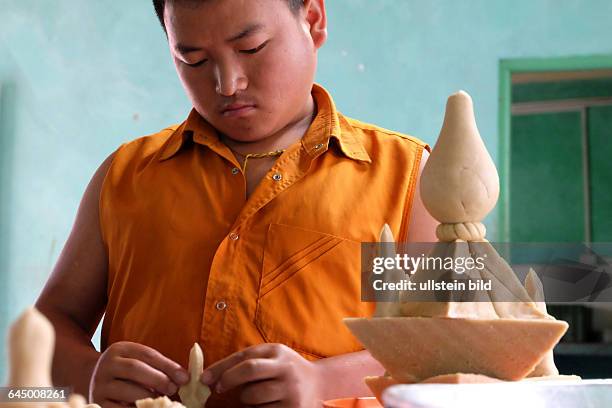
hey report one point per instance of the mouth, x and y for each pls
(237, 109)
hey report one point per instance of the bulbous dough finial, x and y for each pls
(459, 183)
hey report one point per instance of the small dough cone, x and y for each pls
(391, 307)
(194, 394)
(459, 182)
(31, 347)
(534, 288)
(509, 297)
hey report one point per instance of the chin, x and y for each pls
(246, 134)
(246, 137)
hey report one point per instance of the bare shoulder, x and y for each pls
(76, 288)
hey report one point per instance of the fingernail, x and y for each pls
(206, 377)
(219, 389)
(182, 376)
(172, 389)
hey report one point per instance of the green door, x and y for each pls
(546, 178)
(600, 169)
(561, 162)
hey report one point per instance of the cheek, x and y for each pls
(285, 72)
(196, 85)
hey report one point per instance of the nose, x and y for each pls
(229, 79)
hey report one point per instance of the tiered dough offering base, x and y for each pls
(413, 349)
(456, 351)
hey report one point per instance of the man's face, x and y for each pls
(247, 65)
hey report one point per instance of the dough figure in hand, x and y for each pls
(194, 394)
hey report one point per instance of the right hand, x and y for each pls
(128, 371)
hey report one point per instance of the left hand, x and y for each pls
(270, 375)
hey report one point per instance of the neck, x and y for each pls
(279, 140)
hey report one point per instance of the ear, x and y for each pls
(314, 14)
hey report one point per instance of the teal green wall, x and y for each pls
(80, 77)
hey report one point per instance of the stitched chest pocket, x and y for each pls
(310, 281)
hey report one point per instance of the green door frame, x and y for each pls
(507, 67)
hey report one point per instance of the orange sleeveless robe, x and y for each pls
(192, 260)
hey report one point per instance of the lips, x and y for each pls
(237, 109)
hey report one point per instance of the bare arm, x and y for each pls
(343, 375)
(74, 297)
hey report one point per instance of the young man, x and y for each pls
(238, 229)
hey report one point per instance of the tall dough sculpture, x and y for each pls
(194, 394)
(31, 345)
(459, 187)
(500, 333)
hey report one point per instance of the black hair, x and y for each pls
(294, 6)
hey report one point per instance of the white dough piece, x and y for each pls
(160, 402)
(194, 394)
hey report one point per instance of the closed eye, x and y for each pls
(255, 50)
(196, 64)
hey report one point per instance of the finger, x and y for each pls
(111, 404)
(275, 404)
(212, 374)
(141, 373)
(125, 392)
(263, 392)
(254, 369)
(156, 360)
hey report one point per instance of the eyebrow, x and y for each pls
(249, 30)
